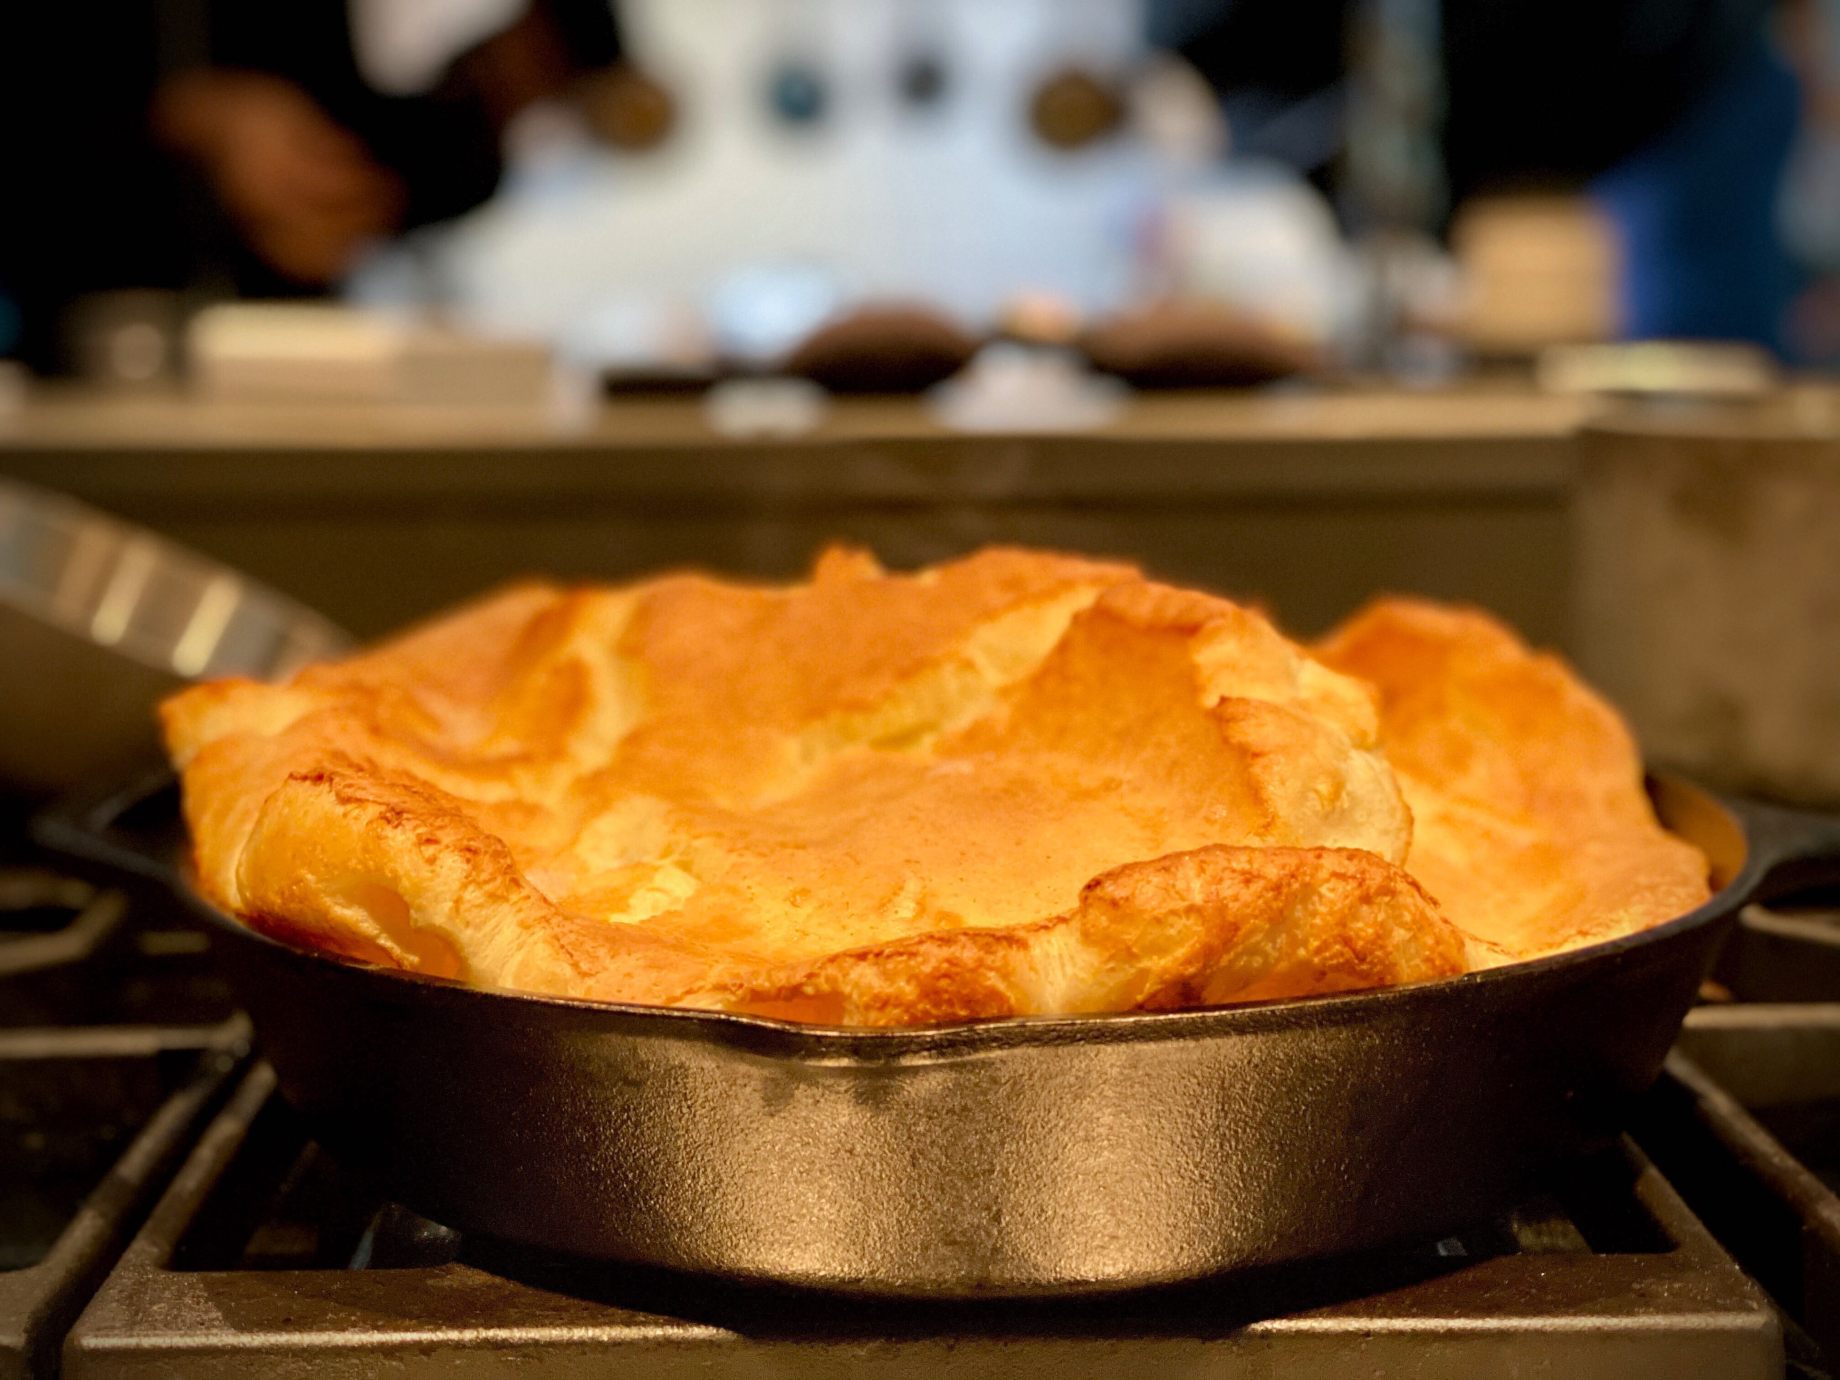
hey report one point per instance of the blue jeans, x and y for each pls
(1696, 212)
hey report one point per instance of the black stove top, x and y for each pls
(163, 1213)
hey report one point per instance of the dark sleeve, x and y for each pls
(1569, 87)
(89, 203)
(1284, 47)
(1533, 88)
(443, 145)
(589, 29)
(305, 40)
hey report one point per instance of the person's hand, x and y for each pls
(305, 193)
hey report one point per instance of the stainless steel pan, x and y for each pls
(100, 620)
(1014, 1157)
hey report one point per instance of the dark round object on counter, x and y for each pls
(882, 349)
(1193, 345)
(1074, 107)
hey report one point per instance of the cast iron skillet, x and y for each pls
(1038, 1156)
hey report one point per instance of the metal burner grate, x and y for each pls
(1747, 1123)
(262, 1258)
(73, 954)
(91, 1123)
(1785, 952)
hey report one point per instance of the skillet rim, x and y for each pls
(883, 1044)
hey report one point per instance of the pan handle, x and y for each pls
(127, 831)
(1791, 850)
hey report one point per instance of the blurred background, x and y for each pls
(375, 303)
(681, 186)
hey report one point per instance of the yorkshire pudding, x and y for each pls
(1015, 783)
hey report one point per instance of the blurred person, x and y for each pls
(1810, 200)
(246, 149)
(1678, 115)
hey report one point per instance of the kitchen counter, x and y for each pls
(1309, 499)
(76, 418)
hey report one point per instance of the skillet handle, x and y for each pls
(126, 831)
(1793, 849)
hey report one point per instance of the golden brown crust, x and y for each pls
(1531, 826)
(1016, 783)
(1204, 928)
(872, 798)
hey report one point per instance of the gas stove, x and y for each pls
(163, 1213)
(117, 1041)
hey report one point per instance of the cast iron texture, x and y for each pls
(1612, 1279)
(1018, 1157)
(64, 1096)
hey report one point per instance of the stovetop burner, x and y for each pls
(123, 1086)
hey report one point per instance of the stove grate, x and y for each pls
(91, 1124)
